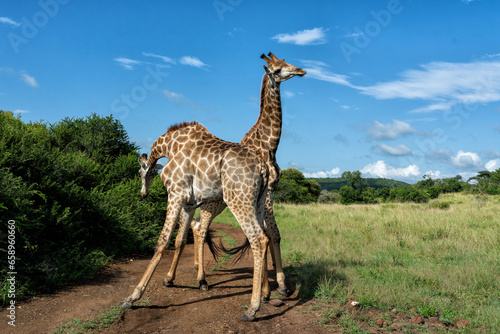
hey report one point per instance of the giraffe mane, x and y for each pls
(181, 125)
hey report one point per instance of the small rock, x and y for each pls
(353, 304)
(462, 323)
(276, 302)
(417, 320)
(381, 323)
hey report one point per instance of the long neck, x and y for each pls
(158, 150)
(266, 132)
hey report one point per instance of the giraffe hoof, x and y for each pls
(203, 285)
(125, 305)
(247, 318)
(168, 284)
(283, 292)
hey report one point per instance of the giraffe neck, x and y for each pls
(266, 132)
(158, 150)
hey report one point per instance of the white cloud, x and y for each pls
(354, 34)
(446, 83)
(313, 36)
(397, 150)
(192, 61)
(29, 80)
(466, 160)
(11, 22)
(433, 107)
(20, 111)
(164, 58)
(443, 84)
(179, 99)
(317, 70)
(433, 174)
(493, 165)
(295, 165)
(127, 63)
(381, 169)
(322, 174)
(379, 131)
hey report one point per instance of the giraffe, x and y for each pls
(202, 168)
(264, 138)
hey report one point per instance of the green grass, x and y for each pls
(76, 326)
(432, 258)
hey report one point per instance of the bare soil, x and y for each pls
(184, 308)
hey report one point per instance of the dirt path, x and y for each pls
(179, 309)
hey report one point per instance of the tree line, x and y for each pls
(352, 188)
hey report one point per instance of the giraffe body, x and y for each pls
(204, 169)
(264, 138)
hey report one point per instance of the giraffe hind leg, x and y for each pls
(174, 207)
(180, 243)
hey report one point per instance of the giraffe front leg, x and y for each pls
(173, 211)
(274, 245)
(180, 243)
(259, 246)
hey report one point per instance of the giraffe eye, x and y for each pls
(278, 71)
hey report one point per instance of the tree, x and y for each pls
(352, 177)
(294, 188)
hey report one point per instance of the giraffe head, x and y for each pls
(279, 70)
(147, 174)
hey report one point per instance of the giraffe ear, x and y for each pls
(143, 163)
(158, 166)
(266, 69)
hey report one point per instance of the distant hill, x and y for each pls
(338, 182)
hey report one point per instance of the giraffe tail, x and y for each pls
(216, 250)
(238, 251)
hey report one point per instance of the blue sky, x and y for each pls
(395, 89)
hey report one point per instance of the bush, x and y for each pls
(329, 196)
(409, 194)
(73, 190)
(294, 188)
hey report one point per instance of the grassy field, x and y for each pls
(442, 256)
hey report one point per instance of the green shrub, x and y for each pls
(440, 205)
(73, 190)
